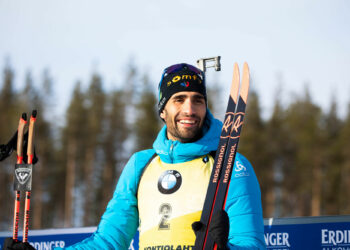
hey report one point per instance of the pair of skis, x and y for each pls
(225, 156)
(23, 174)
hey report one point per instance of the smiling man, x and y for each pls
(162, 190)
(184, 115)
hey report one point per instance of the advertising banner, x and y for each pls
(325, 233)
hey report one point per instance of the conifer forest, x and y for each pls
(300, 151)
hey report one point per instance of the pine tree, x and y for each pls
(9, 117)
(276, 153)
(115, 134)
(332, 192)
(93, 158)
(304, 180)
(8, 104)
(130, 99)
(344, 138)
(147, 121)
(74, 136)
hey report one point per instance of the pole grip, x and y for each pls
(20, 133)
(30, 148)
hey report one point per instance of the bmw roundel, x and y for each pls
(169, 182)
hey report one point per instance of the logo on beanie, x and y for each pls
(185, 84)
(178, 78)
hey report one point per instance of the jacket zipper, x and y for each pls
(171, 152)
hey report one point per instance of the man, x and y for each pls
(162, 190)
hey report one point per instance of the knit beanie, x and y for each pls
(178, 78)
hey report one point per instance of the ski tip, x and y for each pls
(236, 69)
(246, 71)
(235, 83)
(245, 65)
(34, 113)
(24, 116)
(245, 82)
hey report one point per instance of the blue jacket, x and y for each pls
(120, 221)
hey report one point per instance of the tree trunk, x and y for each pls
(89, 186)
(70, 179)
(108, 181)
(316, 191)
(270, 202)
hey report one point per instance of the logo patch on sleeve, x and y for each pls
(240, 170)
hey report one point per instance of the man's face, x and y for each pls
(184, 116)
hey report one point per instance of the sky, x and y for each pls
(288, 44)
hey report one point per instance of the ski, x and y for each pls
(225, 155)
(20, 133)
(30, 153)
(220, 154)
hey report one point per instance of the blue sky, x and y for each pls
(303, 41)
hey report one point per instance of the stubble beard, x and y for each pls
(184, 135)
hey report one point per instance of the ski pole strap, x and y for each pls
(23, 177)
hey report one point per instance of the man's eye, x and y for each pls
(199, 101)
(178, 100)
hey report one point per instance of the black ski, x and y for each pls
(225, 156)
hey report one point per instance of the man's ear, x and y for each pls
(162, 115)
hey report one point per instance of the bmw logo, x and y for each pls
(169, 182)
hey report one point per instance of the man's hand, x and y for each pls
(7, 149)
(218, 229)
(10, 244)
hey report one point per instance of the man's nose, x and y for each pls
(188, 107)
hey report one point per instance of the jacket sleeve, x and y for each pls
(120, 221)
(243, 206)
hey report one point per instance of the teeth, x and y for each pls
(187, 121)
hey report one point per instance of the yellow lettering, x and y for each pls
(186, 77)
(176, 79)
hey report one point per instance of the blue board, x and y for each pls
(325, 233)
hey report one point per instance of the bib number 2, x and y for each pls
(165, 212)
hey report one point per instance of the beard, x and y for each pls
(182, 133)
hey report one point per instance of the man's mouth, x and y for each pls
(188, 122)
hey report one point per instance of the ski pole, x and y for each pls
(30, 153)
(20, 133)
